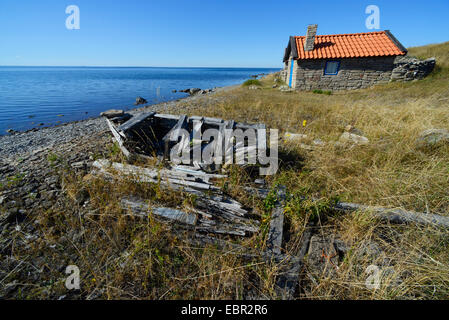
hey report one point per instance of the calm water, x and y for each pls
(30, 96)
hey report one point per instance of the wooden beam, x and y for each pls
(135, 120)
(275, 235)
(398, 216)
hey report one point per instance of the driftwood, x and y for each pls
(206, 224)
(219, 213)
(287, 280)
(172, 178)
(398, 216)
(274, 241)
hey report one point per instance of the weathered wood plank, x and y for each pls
(275, 235)
(274, 241)
(140, 207)
(287, 280)
(118, 138)
(398, 216)
(137, 119)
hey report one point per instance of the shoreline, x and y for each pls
(34, 140)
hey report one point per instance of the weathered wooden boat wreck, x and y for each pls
(153, 134)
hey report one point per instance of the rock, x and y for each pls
(140, 100)
(285, 88)
(11, 131)
(81, 165)
(193, 91)
(318, 142)
(354, 130)
(295, 136)
(112, 113)
(432, 138)
(352, 138)
(253, 87)
(408, 68)
(274, 86)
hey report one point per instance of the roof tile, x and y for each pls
(355, 45)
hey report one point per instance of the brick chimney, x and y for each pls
(310, 38)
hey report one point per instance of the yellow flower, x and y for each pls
(304, 123)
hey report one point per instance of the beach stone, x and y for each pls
(352, 138)
(112, 113)
(318, 142)
(285, 88)
(193, 91)
(351, 129)
(140, 100)
(295, 136)
(432, 138)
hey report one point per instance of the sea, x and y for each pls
(35, 97)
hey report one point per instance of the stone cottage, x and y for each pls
(349, 61)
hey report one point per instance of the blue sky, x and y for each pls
(220, 33)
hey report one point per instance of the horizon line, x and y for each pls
(104, 66)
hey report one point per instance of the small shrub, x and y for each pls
(319, 91)
(251, 82)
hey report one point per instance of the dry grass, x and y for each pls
(125, 257)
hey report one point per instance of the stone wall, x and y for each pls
(409, 68)
(353, 73)
(356, 73)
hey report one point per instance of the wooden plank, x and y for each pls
(135, 120)
(140, 207)
(287, 280)
(166, 116)
(140, 174)
(118, 138)
(275, 235)
(397, 215)
(274, 241)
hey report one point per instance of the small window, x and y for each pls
(332, 67)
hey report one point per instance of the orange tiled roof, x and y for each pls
(355, 45)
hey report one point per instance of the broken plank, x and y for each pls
(137, 119)
(397, 216)
(141, 208)
(274, 241)
(287, 280)
(118, 138)
(275, 235)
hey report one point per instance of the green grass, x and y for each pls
(319, 91)
(251, 82)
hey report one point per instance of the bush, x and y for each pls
(319, 91)
(251, 82)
